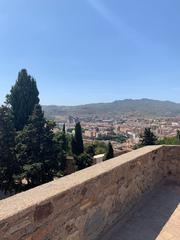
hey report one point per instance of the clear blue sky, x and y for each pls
(83, 51)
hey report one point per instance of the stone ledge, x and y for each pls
(85, 204)
(28, 199)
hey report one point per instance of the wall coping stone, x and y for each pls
(29, 199)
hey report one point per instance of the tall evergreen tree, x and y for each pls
(22, 99)
(79, 138)
(64, 139)
(73, 145)
(7, 155)
(61, 150)
(77, 141)
(178, 135)
(64, 128)
(110, 152)
(148, 138)
(36, 150)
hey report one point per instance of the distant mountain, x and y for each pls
(145, 107)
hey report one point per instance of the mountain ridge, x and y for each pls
(142, 106)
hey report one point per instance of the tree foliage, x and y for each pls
(178, 136)
(84, 160)
(148, 137)
(110, 152)
(100, 147)
(7, 155)
(77, 141)
(22, 99)
(30, 152)
(90, 149)
(35, 150)
(61, 150)
(64, 139)
(170, 140)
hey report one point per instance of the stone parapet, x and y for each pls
(83, 205)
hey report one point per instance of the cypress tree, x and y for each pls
(64, 139)
(22, 99)
(110, 152)
(178, 136)
(148, 138)
(64, 128)
(63, 152)
(7, 155)
(77, 141)
(73, 145)
(79, 138)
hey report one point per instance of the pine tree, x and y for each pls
(110, 152)
(22, 99)
(77, 141)
(8, 162)
(148, 138)
(36, 150)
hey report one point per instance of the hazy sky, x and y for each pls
(83, 51)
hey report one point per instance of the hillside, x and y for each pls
(128, 106)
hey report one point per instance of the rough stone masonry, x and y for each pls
(86, 204)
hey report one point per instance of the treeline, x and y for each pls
(170, 140)
(118, 138)
(30, 152)
(149, 138)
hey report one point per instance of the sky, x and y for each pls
(86, 51)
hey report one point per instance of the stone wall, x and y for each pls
(171, 163)
(84, 204)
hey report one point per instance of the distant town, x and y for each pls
(124, 133)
